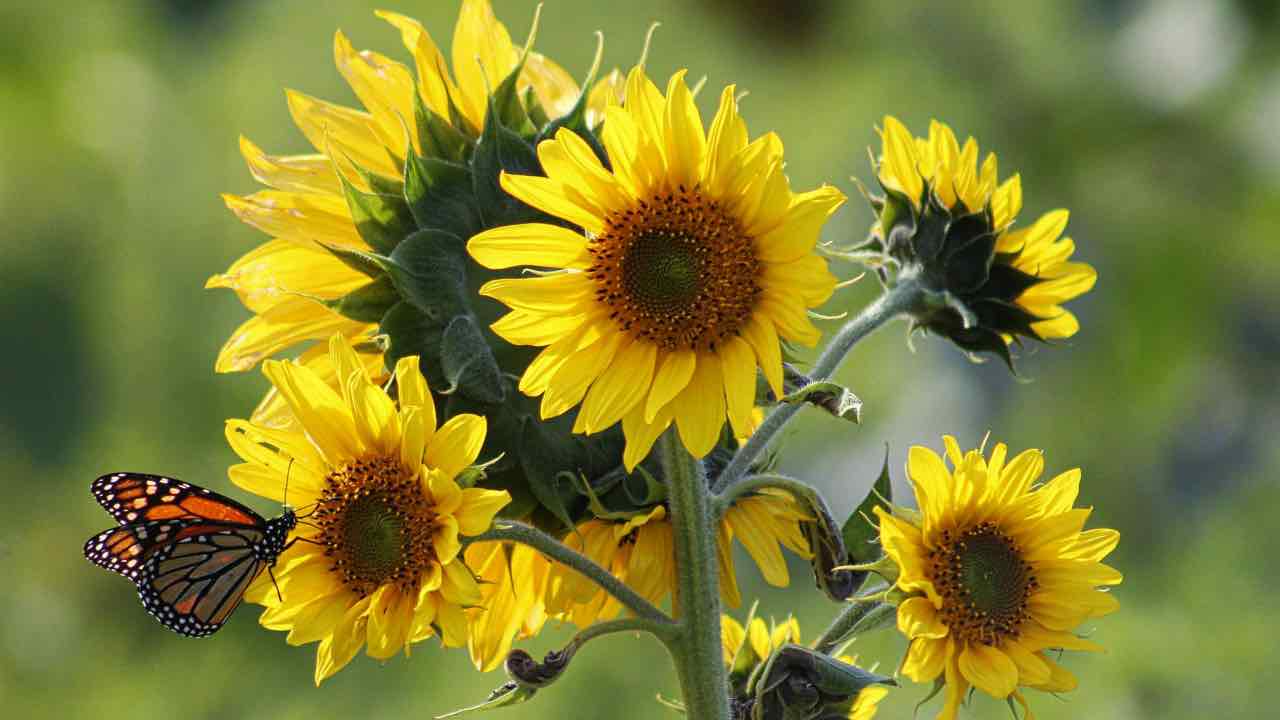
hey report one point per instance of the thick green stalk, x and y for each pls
(697, 651)
(894, 302)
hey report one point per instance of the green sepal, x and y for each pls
(576, 120)
(437, 136)
(467, 363)
(506, 105)
(832, 397)
(499, 150)
(367, 303)
(371, 264)
(382, 220)
(537, 114)
(861, 535)
(440, 195)
(804, 684)
(506, 695)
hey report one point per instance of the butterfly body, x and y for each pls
(191, 552)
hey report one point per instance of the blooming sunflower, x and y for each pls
(746, 648)
(639, 552)
(999, 571)
(378, 559)
(950, 222)
(694, 258)
(291, 283)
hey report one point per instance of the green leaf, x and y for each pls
(368, 303)
(546, 451)
(510, 693)
(832, 397)
(413, 332)
(467, 362)
(382, 220)
(861, 536)
(440, 195)
(430, 271)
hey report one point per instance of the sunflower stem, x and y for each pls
(899, 299)
(697, 650)
(507, 530)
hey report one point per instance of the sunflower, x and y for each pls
(639, 551)
(746, 648)
(950, 222)
(693, 259)
(377, 557)
(290, 283)
(999, 572)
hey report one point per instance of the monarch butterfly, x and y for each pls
(191, 552)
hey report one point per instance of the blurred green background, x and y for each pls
(1156, 123)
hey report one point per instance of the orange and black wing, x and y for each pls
(134, 498)
(190, 574)
(193, 584)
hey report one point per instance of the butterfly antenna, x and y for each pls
(287, 471)
(276, 584)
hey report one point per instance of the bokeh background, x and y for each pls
(1156, 122)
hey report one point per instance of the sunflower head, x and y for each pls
(376, 559)
(369, 234)
(772, 675)
(947, 223)
(688, 261)
(997, 570)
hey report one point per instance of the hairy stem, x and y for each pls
(853, 613)
(894, 302)
(697, 652)
(506, 530)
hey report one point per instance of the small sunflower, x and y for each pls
(292, 282)
(949, 222)
(999, 571)
(377, 561)
(639, 552)
(694, 258)
(746, 648)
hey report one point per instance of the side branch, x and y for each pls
(894, 302)
(509, 531)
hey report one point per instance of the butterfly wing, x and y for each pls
(192, 584)
(133, 498)
(124, 549)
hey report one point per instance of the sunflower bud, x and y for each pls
(803, 684)
(946, 225)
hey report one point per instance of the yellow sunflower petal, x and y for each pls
(319, 409)
(989, 669)
(479, 506)
(536, 244)
(456, 444)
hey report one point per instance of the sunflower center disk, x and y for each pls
(676, 270)
(376, 525)
(984, 584)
